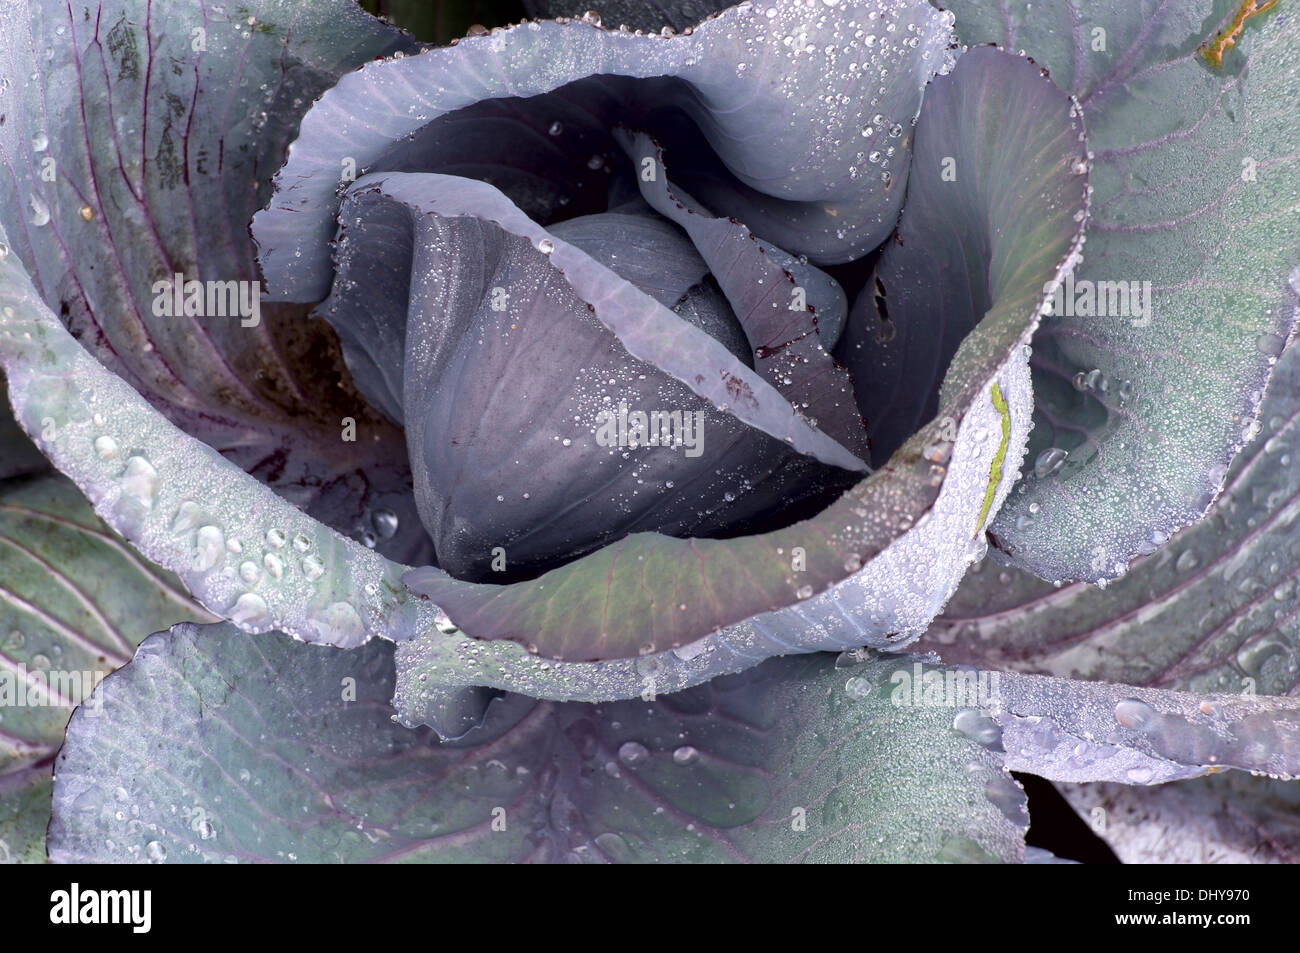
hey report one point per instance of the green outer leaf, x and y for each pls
(1171, 136)
(1216, 610)
(74, 600)
(796, 760)
(24, 815)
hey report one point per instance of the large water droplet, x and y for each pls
(1136, 714)
(1270, 343)
(209, 546)
(312, 568)
(337, 624)
(978, 726)
(857, 688)
(685, 755)
(633, 753)
(40, 142)
(250, 609)
(385, 523)
(105, 447)
(140, 481)
(38, 213)
(188, 515)
(1139, 775)
(1049, 462)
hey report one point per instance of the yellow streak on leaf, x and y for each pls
(995, 471)
(1212, 50)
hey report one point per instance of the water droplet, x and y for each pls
(1187, 561)
(140, 481)
(1049, 462)
(249, 572)
(978, 726)
(4, 250)
(632, 753)
(1270, 344)
(301, 543)
(312, 568)
(852, 564)
(156, 851)
(556, 128)
(209, 545)
(857, 688)
(337, 624)
(86, 212)
(546, 246)
(37, 211)
(385, 523)
(596, 162)
(274, 538)
(804, 592)
(40, 142)
(274, 565)
(685, 755)
(188, 515)
(1135, 714)
(249, 609)
(106, 447)
(592, 17)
